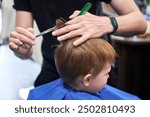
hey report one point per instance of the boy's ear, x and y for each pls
(86, 79)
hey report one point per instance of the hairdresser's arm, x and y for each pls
(22, 39)
(130, 22)
(130, 19)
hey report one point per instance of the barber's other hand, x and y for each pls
(21, 42)
(87, 26)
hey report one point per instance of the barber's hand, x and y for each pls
(87, 26)
(21, 42)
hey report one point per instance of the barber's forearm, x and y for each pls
(130, 19)
(24, 19)
(131, 24)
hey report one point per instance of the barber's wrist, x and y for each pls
(114, 24)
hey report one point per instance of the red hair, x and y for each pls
(89, 57)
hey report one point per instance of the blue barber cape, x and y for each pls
(58, 90)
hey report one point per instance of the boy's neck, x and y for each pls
(78, 88)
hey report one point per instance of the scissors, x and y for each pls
(87, 7)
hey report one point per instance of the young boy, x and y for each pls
(84, 70)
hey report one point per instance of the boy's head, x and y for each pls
(84, 66)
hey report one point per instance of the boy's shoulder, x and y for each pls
(112, 93)
(58, 90)
(44, 92)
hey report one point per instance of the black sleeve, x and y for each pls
(106, 1)
(22, 5)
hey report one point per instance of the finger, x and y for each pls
(18, 39)
(27, 40)
(69, 35)
(75, 20)
(79, 18)
(65, 29)
(30, 30)
(13, 46)
(75, 13)
(15, 41)
(25, 32)
(23, 35)
(14, 35)
(81, 40)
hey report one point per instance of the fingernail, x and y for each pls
(53, 33)
(20, 43)
(34, 37)
(74, 43)
(33, 43)
(58, 38)
(70, 17)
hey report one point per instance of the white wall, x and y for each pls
(0, 20)
(37, 56)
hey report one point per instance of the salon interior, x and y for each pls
(132, 64)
